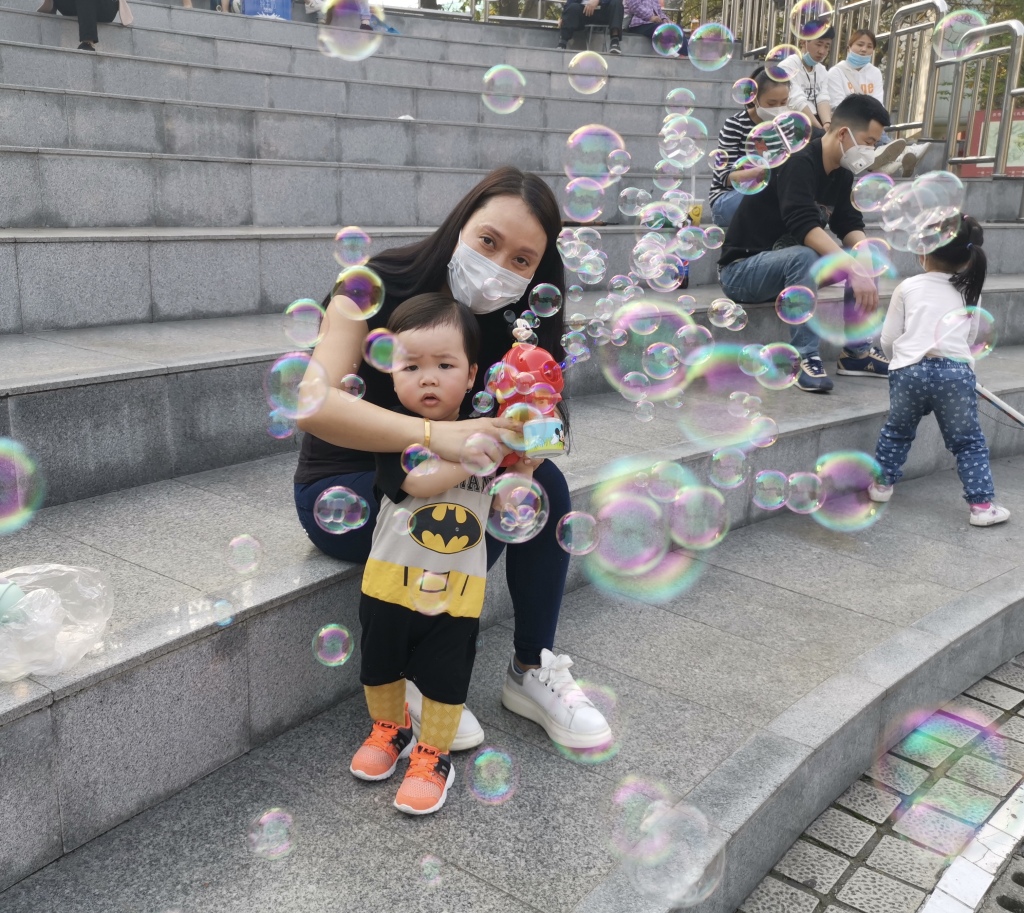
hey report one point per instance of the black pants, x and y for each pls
(608, 13)
(646, 29)
(89, 12)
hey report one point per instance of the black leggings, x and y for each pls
(89, 12)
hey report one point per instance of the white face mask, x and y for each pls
(857, 157)
(768, 114)
(473, 279)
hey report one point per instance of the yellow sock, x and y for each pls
(386, 702)
(440, 724)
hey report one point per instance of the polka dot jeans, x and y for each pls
(945, 387)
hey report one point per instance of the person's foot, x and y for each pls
(812, 377)
(427, 781)
(365, 27)
(470, 732)
(561, 46)
(551, 698)
(379, 755)
(893, 168)
(879, 492)
(615, 50)
(871, 363)
(988, 514)
(912, 158)
(888, 154)
(87, 46)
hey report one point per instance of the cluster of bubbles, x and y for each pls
(922, 215)
(492, 775)
(271, 834)
(594, 158)
(333, 645)
(22, 486)
(519, 509)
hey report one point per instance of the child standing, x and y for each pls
(931, 370)
(423, 585)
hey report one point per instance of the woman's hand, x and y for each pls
(448, 439)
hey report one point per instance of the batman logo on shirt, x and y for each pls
(446, 528)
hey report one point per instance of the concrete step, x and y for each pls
(779, 707)
(152, 401)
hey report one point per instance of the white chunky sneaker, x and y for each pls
(551, 698)
(470, 732)
(988, 516)
(879, 492)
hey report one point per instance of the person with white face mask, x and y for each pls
(778, 235)
(808, 76)
(497, 243)
(771, 101)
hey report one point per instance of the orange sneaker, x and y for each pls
(379, 755)
(427, 781)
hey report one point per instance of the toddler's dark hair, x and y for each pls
(433, 309)
(965, 259)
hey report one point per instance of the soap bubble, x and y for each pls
(419, 460)
(695, 344)
(492, 288)
(340, 510)
(382, 351)
(773, 61)
(661, 360)
(874, 257)
(764, 431)
(302, 320)
(351, 246)
(588, 72)
(643, 411)
(795, 127)
(698, 518)
(810, 19)
(474, 457)
(586, 153)
(402, 522)
(575, 294)
(545, 300)
(244, 553)
(714, 237)
(353, 385)
(492, 775)
(667, 40)
(744, 91)
(805, 494)
(358, 292)
(680, 101)
(279, 426)
(718, 159)
(835, 319)
(845, 476)
(341, 36)
(619, 161)
(667, 480)
(431, 594)
(767, 142)
(483, 402)
(722, 312)
(577, 533)
(634, 386)
(795, 304)
(22, 488)
(503, 89)
(430, 869)
(584, 199)
(295, 385)
(270, 834)
(771, 489)
(522, 508)
(870, 191)
(953, 331)
(756, 178)
(782, 366)
(632, 200)
(683, 140)
(333, 645)
(728, 468)
(948, 38)
(750, 360)
(710, 47)
(668, 174)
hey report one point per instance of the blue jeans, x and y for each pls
(945, 387)
(761, 277)
(534, 570)
(724, 207)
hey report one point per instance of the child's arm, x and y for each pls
(524, 466)
(894, 324)
(446, 475)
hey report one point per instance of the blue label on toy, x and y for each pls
(544, 437)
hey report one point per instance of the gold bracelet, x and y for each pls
(426, 433)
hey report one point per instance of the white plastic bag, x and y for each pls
(50, 617)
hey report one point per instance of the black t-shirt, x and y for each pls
(319, 460)
(800, 196)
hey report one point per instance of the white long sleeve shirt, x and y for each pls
(914, 325)
(844, 80)
(806, 87)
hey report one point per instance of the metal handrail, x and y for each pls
(909, 62)
(1011, 91)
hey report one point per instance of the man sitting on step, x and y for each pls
(577, 14)
(777, 237)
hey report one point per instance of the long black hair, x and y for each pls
(965, 259)
(423, 266)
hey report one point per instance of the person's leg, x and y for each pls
(956, 410)
(87, 18)
(908, 403)
(106, 10)
(613, 14)
(572, 22)
(646, 29)
(724, 208)
(352, 546)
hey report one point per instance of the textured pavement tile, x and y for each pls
(1003, 751)
(994, 693)
(933, 829)
(960, 801)
(948, 730)
(868, 801)
(1013, 728)
(904, 860)
(812, 866)
(1009, 674)
(840, 831)
(918, 747)
(874, 893)
(901, 775)
(972, 711)
(984, 775)
(774, 896)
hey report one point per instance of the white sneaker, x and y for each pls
(913, 157)
(551, 698)
(879, 493)
(470, 732)
(990, 516)
(887, 154)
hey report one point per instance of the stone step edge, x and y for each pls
(825, 740)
